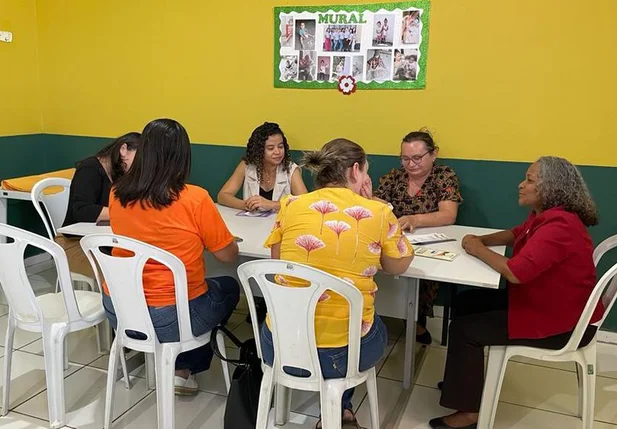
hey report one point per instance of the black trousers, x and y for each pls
(481, 319)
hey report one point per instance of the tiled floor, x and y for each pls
(535, 394)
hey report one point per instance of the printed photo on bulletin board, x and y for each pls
(381, 46)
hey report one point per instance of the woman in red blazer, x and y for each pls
(550, 277)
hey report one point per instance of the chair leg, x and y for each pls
(580, 377)
(282, 404)
(447, 307)
(103, 336)
(8, 357)
(220, 342)
(65, 353)
(331, 401)
(165, 361)
(112, 370)
(53, 354)
(496, 369)
(125, 371)
(589, 385)
(265, 398)
(150, 366)
(373, 399)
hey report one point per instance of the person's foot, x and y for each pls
(423, 336)
(458, 420)
(440, 385)
(349, 421)
(185, 386)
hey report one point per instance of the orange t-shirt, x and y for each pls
(184, 229)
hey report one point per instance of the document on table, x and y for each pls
(436, 237)
(443, 255)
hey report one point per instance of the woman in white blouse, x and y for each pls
(266, 173)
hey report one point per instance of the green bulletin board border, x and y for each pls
(420, 83)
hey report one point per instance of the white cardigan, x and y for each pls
(282, 184)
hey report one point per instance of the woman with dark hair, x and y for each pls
(89, 194)
(341, 230)
(423, 194)
(266, 173)
(550, 277)
(154, 204)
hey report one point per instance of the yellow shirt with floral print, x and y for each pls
(342, 233)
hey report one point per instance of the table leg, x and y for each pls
(3, 214)
(410, 337)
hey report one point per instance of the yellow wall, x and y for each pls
(20, 111)
(506, 80)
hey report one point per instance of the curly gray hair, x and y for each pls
(560, 184)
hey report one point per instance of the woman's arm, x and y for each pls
(446, 215)
(85, 195)
(227, 194)
(297, 184)
(501, 238)
(499, 263)
(395, 266)
(275, 251)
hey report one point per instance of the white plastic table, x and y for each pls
(398, 295)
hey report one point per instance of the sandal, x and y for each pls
(353, 424)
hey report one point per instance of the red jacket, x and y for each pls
(553, 261)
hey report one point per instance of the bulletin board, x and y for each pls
(373, 46)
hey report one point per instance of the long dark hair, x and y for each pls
(160, 169)
(112, 152)
(330, 164)
(256, 147)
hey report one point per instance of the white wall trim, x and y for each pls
(607, 337)
(39, 263)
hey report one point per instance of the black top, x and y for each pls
(266, 194)
(89, 193)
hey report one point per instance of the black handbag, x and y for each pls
(243, 398)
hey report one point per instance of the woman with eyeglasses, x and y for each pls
(422, 194)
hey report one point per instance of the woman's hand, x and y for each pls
(367, 189)
(408, 222)
(472, 245)
(467, 238)
(257, 202)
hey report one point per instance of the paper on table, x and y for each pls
(256, 213)
(443, 255)
(436, 237)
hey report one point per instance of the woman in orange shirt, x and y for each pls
(152, 203)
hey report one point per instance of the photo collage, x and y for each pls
(371, 47)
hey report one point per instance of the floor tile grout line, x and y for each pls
(150, 392)
(21, 413)
(45, 389)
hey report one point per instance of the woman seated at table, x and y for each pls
(89, 194)
(352, 236)
(423, 194)
(154, 204)
(550, 277)
(266, 173)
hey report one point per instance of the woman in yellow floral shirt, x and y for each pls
(339, 229)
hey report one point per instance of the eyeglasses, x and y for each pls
(417, 159)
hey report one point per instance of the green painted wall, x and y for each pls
(489, 187)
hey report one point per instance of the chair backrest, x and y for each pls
(124, 279)
(602, 248)
(14, 279)
(55, 204)
(605, 290)
(292, 314)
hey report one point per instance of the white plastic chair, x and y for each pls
(54, 315)
(585, 357)
(123, 277)
(292, 319)
(56, 206)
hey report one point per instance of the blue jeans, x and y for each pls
(333, 360)
(207, 311)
